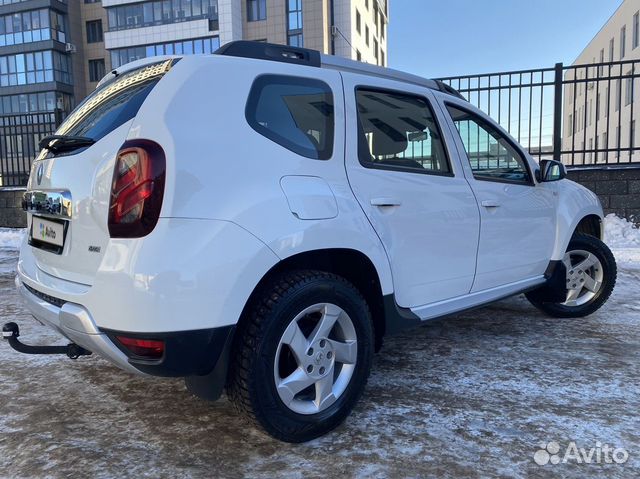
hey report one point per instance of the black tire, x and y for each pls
(252, 386)
(603, 253)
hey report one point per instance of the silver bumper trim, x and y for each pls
(75, 323)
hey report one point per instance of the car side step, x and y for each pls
(10, 332)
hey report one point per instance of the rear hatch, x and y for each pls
(70, 242)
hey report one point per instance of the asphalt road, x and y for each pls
(476, 395)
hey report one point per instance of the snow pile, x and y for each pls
(11, 238)
(620, 233)
(624, 240)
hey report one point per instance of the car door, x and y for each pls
(517, 215)
(400, 170)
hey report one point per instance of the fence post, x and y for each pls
(557, 112)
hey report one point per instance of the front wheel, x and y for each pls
(302, 356)
(590, 277)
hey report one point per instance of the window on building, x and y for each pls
(32, 26)
(491, 155)
(636, 30)
(35, 67)
(256, 10)
(294, 23)
(570, 125)
(601, 67)
(611, 49)
(120, 56)
(358, 55)
(94, 31)
(623, 41)
(399, 131)
(632, 135)
(382, 58)
(34, 103)
(296, 113)
(366, 35)
(96, 70)
(590, 111)
(590, 150)
(375, 50)
(366, 4)
(358, 22)
(618, 94)
(604, 146)
(123, 17)
(628, 94)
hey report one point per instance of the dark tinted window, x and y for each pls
(114, 103)
(491, 155)
(399, 131)
(296, 113)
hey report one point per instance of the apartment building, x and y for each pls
(600, 112)
(54, 52)
(352, 28)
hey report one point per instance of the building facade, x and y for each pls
(600, 111)
(54, 52)
(351, 28)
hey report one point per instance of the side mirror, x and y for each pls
(551, 170)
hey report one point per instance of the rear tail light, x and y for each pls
(143, 348)
(137, 189)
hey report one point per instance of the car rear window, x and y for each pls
(297, 113)
(114, 103)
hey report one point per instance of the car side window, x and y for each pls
(398, 131)
(491, 156)
(297, 113)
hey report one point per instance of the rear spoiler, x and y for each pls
(132, 66)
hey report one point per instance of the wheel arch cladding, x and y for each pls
(590, 225)
(352, 265)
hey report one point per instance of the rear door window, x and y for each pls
(297, 113)
(398, 131)
(114, 103)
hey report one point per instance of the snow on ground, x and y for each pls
(474, 395)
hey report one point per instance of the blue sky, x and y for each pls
(435, 38)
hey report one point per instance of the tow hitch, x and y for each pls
(10, 332)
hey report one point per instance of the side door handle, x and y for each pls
(489, 203)
(385, 201)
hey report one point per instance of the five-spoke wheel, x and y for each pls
(590, 278)
(302, 356)
(316, 358)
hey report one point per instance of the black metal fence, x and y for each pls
(19, 137)
(584, 115)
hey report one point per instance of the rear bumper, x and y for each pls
(187, 353)
(74, 322)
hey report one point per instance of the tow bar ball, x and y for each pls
(10, 332)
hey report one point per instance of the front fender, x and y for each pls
(574, 203)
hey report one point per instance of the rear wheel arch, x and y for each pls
(350, 264)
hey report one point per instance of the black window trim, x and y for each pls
(251, 104)
(364, 148)
(507, 138)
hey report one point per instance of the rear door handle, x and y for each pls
(490, 203)
(386, 201)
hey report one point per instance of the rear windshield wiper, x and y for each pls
(58, 143)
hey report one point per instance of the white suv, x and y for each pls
(262, 217)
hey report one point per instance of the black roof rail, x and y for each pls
(271, 51)
(444, 88)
